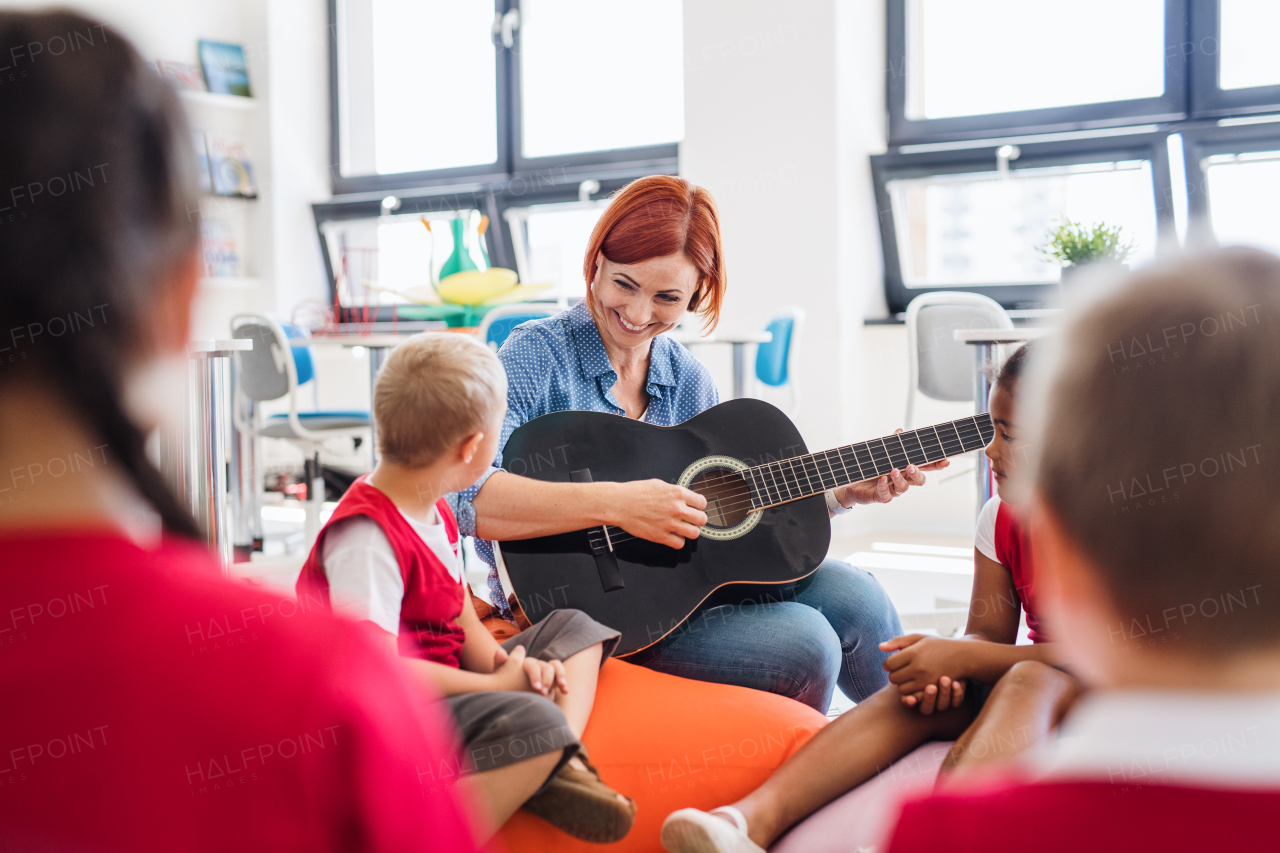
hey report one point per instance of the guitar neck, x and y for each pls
(787, 480)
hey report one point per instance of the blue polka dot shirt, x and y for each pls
(559, 364)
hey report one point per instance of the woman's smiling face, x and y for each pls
(636, 302)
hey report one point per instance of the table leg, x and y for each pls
(739, 370)
(377, 358)
(208, 427)
(246, 481)
(983, 356)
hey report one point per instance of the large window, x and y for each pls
(427, 92)
(1006, 118)
(967, 69)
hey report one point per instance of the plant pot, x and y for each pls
(1093, 268)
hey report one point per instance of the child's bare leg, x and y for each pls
(500, 792)
(582, 671)
(846, 753)
(1024, 706)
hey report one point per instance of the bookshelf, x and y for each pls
(243, 223)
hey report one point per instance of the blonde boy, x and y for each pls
(389, 557)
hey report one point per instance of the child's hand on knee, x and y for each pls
(947, 693)
(926, 671)
(519, 672)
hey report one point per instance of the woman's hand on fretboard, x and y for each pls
(884, 489)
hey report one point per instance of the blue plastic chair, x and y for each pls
(775, 360)
(497, 324)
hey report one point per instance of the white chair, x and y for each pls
(274, 368)
(776, 360)
(496, 325)
(939, 366)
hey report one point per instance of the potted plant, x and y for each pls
(1074, 245)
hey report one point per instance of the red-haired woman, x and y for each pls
(655, 254)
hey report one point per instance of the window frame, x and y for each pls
(1205, 141)
(981, 157)
(511, 166)
(1171, 106)
(1208, 98)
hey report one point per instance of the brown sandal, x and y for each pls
(581, 804)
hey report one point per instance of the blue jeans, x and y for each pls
(800, 640)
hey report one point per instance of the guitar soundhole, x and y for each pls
(727, 494)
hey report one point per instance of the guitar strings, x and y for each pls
(788, 486)
(962, 422)
(764, 470)
(623, 536)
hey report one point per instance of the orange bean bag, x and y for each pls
(670, 742)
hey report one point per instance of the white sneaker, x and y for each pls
(693, 831)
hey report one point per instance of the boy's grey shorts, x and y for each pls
(505, 727)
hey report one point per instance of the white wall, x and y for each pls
(784, 102)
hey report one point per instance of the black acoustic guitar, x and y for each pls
(767, 519)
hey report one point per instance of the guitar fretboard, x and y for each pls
(774, 483)
(788, 480)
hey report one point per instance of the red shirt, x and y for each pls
(1001, 526)
(151, 705)
(433, 599)
(1075, 816)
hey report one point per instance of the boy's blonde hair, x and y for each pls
(435, 390)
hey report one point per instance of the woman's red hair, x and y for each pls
(658, 216)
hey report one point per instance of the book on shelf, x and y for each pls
(184, 76)
(224, 68)
(221, 258)
(230, 167)
(201, 147)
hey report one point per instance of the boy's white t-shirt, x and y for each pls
(364, 575)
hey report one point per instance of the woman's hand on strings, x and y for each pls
(660, 512)
(884, 489)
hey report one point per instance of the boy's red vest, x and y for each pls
(432, 598)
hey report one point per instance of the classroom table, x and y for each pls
(739, 342)
(193, 455)
(984, 343)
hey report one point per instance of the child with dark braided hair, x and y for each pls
(148, 703)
